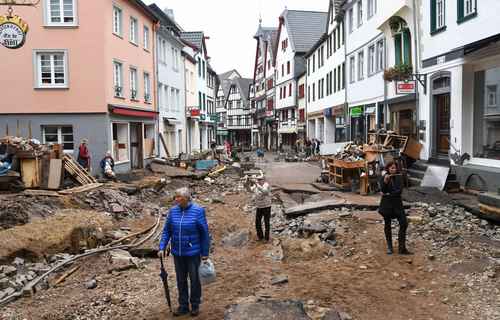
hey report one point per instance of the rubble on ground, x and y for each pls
(17, 210)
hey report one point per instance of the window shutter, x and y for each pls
(407, 46)
(397, 46)
(433, 15)
(460, 7)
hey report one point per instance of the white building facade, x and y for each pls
(460, 112)
(298, 31)
(171, 98)
(326, 82)
(365, 85)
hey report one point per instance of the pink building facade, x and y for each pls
(86, 71)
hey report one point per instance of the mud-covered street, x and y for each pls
(332, 262)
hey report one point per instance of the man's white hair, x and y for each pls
(183, 192)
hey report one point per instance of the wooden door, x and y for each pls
(443, 124)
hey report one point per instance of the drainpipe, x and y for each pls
(154, 86)
(417, 64)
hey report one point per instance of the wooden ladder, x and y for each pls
(77, 171)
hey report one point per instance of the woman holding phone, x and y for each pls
(391, 206)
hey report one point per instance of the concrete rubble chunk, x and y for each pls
(7, 292)
(312, 207)
(91, 284)
(280, 279)
(122, 260)
(9, 271)
(18, 262)
(236, 239)
(265, 310)
(4, 283)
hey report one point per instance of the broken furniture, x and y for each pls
(343, 172)
(77, 171)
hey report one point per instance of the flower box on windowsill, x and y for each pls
(398, 72)
(133, 95)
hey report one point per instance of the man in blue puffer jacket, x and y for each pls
(186, 229)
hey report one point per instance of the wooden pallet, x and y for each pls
(77, 171)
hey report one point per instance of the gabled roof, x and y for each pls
(244, 86)
(304, 28)
(146, 9)
(164, 18)
(196, 38)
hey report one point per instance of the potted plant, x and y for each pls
(398, 72)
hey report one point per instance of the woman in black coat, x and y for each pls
(391, 207)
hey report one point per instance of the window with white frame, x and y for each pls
(146, 38)
(372, 8)
(51, 69)
(352, 69)
(361, 65)
(491, 95)
(371, 59)
(440, 20)
(147, 87)
(350, 17)
(118, 78)
(60, 12)
(133, 30)
(360, 12)
(380, 55)
(133, 84)
(120, 147)
(163, 51)
(117, 21)
(166, 97)
(59, 135)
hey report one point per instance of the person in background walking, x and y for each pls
(84, 155)
(263, 201)
(318, 144)
(391, 207)
(186, 229)
(308, 147)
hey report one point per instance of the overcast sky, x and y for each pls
(231, 25)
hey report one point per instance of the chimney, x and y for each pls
(169, 13)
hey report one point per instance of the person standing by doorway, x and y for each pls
(84, 155)
(391, 206)
(186, 229)
(263, 201)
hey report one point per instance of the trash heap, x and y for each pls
(27, 163)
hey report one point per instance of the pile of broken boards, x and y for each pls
(27, 163)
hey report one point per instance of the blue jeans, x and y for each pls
(188, 267)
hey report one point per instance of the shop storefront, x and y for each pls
(358, 133)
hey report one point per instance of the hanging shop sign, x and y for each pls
(406, 87)
(356, 111)
(13, 31)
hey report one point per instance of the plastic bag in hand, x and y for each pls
(207, 272)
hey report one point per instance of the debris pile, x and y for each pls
(15, 276)
(18, 209)
(119, 203)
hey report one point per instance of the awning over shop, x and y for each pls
(287, 130)
(223, 133)
(171, 120)
(131, 112)
(370, 110)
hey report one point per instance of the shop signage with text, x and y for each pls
(405, 87)
(12, 32)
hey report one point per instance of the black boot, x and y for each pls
(388, 237)
(402, 239)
